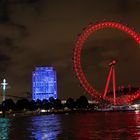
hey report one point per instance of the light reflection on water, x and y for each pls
(80, 126)
(4, 128)
(46, 128)
(110, 125)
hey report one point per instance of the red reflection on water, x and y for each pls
(108, 126)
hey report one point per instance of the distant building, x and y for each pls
(44, 83)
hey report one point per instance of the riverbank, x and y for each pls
(42, 112)
(24, 113)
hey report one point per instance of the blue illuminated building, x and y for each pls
(44, 83)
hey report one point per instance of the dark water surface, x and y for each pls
(82, 126)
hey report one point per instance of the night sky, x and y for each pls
(43, 33)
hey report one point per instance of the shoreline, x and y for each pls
(39, 113)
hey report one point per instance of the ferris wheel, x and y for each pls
(79, 70)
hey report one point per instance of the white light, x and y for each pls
(136, 111)
(43, 110)
(4, 84)
(136, 105)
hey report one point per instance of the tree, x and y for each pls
(9, 104)
(82, 102)
(33, 105)
(38, 103)
(70, 103)
(51, 100)
(45, 104)
(57, 104)
(22, 104)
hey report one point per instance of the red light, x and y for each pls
(77, 54)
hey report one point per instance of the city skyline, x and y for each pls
(36, 33)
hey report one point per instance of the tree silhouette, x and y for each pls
(82, 102)
(33, 105)
(51, 100)
(45, 104)
(8, 104)
(70, 103)
(57, 104)
(22, 104)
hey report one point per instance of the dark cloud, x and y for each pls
(4, 58)
(4, 17)
(4, 62)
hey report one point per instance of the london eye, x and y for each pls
(80, 43)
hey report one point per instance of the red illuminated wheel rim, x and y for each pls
(77, 59)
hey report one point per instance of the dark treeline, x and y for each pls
(25, 104)
(51, 103)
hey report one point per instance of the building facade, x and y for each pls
(44, 83)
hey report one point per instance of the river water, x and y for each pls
(79, 126)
